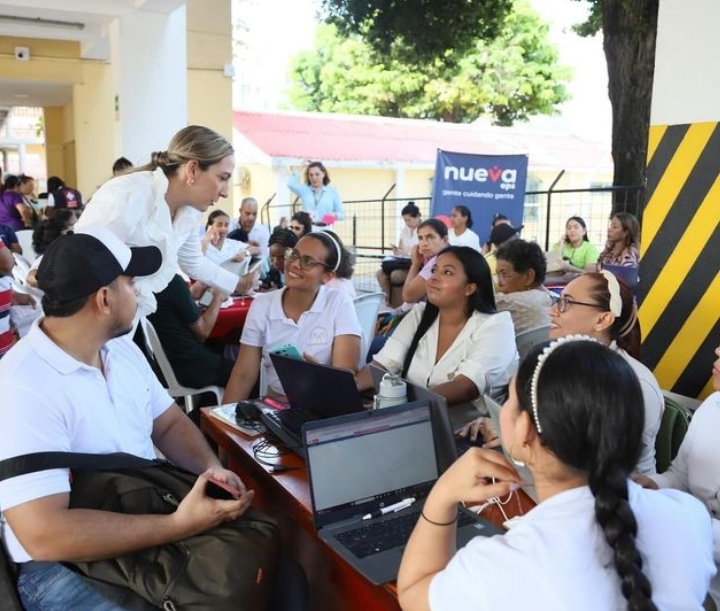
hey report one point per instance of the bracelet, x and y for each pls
(424, 517)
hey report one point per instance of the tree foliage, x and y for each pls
(507, 79)
(426, 28)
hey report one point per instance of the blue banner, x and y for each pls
(486, 184)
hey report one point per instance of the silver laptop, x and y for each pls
(369, 476)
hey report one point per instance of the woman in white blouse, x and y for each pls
(457, 344)
(696, 468)
(161, 203)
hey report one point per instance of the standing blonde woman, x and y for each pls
(161, 203)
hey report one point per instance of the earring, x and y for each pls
(191, 182)
(513, 460)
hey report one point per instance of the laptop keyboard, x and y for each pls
(291, 419)
(381, 536)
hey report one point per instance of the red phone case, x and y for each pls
(220, 490)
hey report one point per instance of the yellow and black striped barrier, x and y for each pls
(680, 263)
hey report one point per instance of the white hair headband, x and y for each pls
(337, 248)
(547, 351)
(614, 289)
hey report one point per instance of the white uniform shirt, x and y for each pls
(344, 285)
(408, 239)
(696, 469)
(654, 408)
(260, 234)
(331, 314)
(484, 352)
(227, 251)
(52, 402)
(466, 238)
(133, 207)
(556, 558)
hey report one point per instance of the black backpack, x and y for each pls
(230, 567)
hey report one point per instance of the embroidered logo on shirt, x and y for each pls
(318, 336)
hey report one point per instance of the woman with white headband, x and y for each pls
(596, 541)
(320, 322)
(598, 305)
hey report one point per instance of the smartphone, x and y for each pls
(288, 350)
(216, 489)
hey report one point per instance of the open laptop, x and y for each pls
(361, 463)
(442, 427)
(313, 392)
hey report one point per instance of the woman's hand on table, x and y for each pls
(484, 427)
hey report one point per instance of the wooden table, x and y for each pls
(334, 585)
(230, 321)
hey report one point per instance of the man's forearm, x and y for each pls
(182, 443)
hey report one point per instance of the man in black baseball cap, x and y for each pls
(77, 383)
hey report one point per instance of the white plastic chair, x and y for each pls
(24, 237)
(174, 388)
(532, 337)
(367, 308)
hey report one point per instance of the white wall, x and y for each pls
(151, 81)
(687, 81)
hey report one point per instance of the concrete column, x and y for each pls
(149, 94)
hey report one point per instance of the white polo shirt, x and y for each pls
(52, 402)
(331, 314)
(557, 559)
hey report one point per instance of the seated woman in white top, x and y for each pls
(215, 246)
(696, 468)
(321, 323)
(457, 344)
(460, 233)
(596, 541)
(519, 275)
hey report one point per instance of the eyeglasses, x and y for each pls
(306, 261)
(504, 276)
(562, 303)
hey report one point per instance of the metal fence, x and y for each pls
(372, 225)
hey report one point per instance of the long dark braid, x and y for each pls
(428, 318)
(589, 407)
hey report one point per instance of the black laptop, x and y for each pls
(313, 392)
(364, 463)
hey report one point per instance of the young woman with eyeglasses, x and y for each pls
(599, 305)
(596, 541)
(320, 322)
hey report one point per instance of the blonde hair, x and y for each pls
(193, 142)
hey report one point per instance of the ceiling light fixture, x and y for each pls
(50, 23)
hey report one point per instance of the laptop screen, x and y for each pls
(360, 462)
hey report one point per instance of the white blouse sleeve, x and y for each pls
(392, 355)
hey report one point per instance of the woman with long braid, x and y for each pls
(596, 541)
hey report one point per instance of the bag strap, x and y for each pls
(42, 461)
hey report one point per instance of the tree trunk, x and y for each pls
(629, 31)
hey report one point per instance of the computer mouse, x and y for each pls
(247, 410)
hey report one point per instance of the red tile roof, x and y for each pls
(359, 139)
